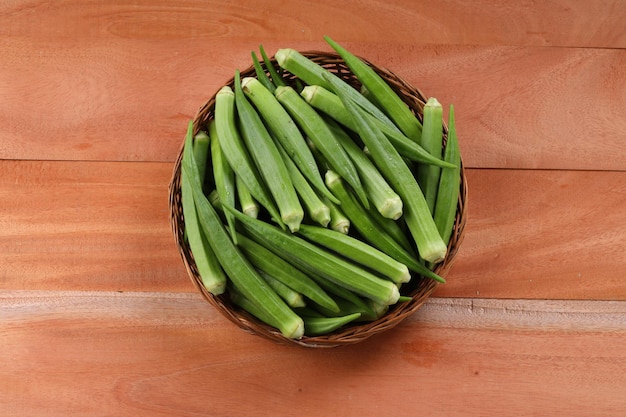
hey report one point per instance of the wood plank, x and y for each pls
(87, 225)
(105, 226)
(516, 107)
(156, 354)
(543, 234)
(493, 22)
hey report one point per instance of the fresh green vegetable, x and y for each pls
(315, 207)
(314, 74)
(316, 326)
(358, 251)
(416, 213)
(449, 183)
(235, 265)
(350, 306)
(317, 131)
(261, 75)
(299, 252)
(371, 231)
(265, 260)
(291, 297)
(276, 78)
(247, 203)
(368, 193)
(384, 96)
(331, 105)
(201, 143)
(252, 308)
(209, 269)
(263, 149)
(432, 136)
(236, 153)
(285, 131)
(338, 220)
(223, 175)
(385, 199)
(347, 301)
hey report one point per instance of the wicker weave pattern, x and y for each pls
(419, 288)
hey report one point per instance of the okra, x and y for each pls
(385, 199)
(416, 213)
(371, 231)
(350, 306)
(235, 265)
(299, 252)
(358, 251)
(317, 326)
(268, 160)
(449, 183)
(330, 104)
(265, 260)
(223, 175)
(311, 122)
(237, 298)
(314, 74)
(201, 144)
(236, 153)
(276, 78)
(247, 203)
(261, 75)
(209, 269)
(394, 107)
(432, 136)
(283, 128)
(291, 297)
(338, 220)
(315, 207)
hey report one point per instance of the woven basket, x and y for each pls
(419, 288)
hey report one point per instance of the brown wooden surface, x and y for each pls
(98, 317)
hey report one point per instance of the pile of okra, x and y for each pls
(310, 204)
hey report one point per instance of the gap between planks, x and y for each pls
(158, 308)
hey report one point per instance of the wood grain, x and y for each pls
(87, 225)
(98, 316)
(156, 354)
(543, 234)
(492, 22)
(105, 226)
(121, 82)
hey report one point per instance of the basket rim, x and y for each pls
(353, 333)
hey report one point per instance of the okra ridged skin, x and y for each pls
(449, 183)
(268, 161)
(432, 137)
(235, 152)
(302, 253)
(417, 215)
(234, 264)
(394, 107)
(265, 260)
(223, 175)
(385, 199)
(330, 104)
(314, 74)
(210, 271)
(283, 128)
(314, 127)
(358, 251)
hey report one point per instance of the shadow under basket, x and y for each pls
(419, 289)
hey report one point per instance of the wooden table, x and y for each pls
(98, 316)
